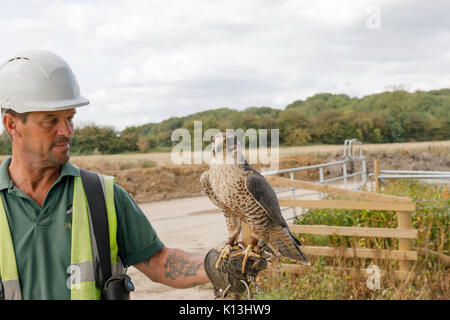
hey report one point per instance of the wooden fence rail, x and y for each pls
(360, 253)
(348, 204)
(354, 231)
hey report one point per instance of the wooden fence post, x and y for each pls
(376, 173)
(404, 222)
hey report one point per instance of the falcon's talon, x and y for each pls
(226, 252)
(247, 253)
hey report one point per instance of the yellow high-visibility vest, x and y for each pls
(84, 268)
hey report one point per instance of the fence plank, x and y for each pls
(440, 256)
(284, 182)
(348, 204)
(360, 253)
(354, 231)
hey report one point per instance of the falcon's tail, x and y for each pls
(288, 245)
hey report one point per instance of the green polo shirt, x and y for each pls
(42, 235)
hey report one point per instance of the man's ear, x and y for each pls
(12, 124)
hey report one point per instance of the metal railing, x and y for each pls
(413, 174)
(350, 158)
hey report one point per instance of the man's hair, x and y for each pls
(22, 116)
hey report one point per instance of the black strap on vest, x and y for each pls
(97, 208)
(2, 291)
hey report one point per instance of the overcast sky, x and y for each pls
(145, 61)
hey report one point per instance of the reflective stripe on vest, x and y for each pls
(84, 269)
(8, 266)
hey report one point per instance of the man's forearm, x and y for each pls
(175, 268)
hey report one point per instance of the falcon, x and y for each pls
(245, 195)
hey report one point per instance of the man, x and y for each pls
(46, 250)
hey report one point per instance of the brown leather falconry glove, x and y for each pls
(228, 280)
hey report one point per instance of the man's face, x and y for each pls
(46, 136)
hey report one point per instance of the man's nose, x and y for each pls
(65, 128)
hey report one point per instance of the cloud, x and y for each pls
(145, 61)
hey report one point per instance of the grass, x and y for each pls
(319, 282)
(327, 278)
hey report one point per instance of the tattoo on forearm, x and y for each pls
(176, 266)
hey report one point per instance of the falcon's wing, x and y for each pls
(264, 194)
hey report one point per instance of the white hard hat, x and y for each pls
(38, 80)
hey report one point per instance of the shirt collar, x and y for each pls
(67, 169)
(4, 174)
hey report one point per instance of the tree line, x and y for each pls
(325, 118)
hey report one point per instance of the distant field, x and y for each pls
(429, 146)
(164, 158)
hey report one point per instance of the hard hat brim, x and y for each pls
(31, 106)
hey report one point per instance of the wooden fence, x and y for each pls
(405, 233)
